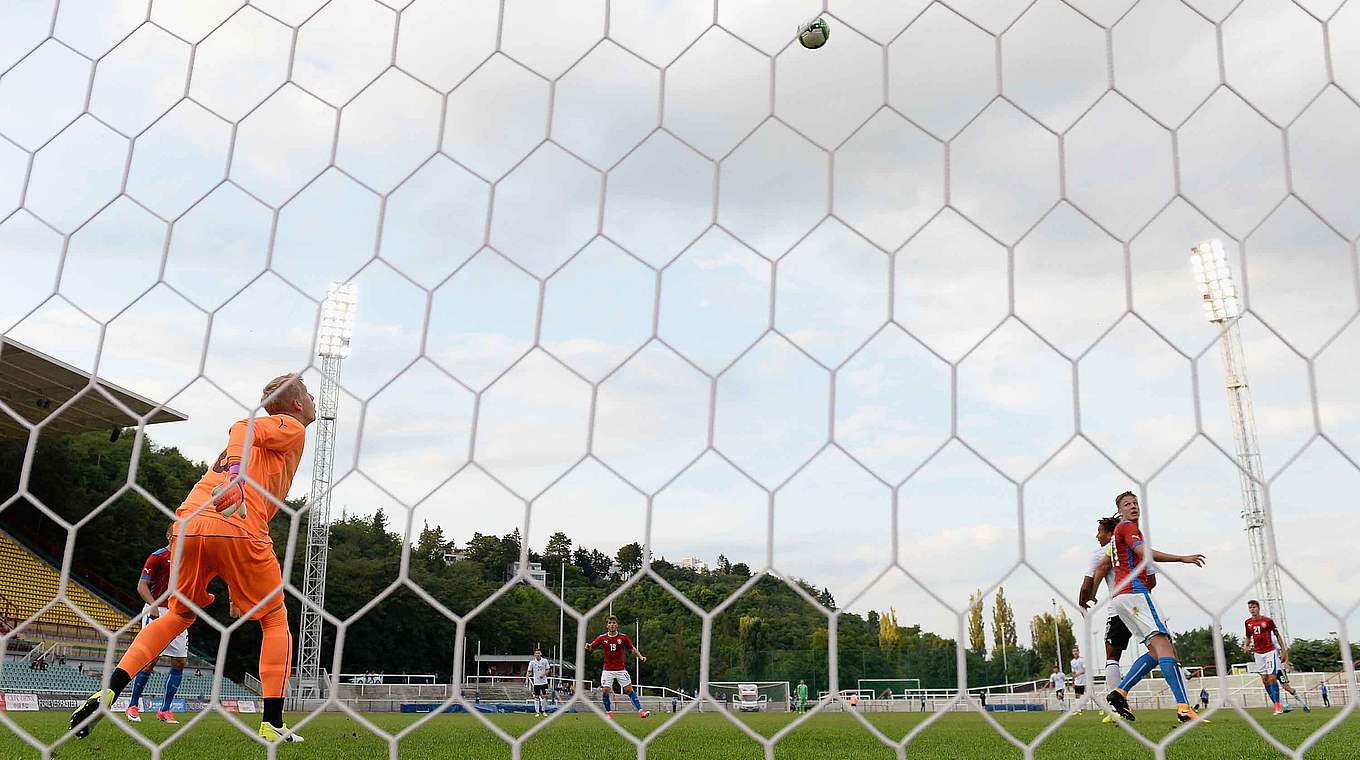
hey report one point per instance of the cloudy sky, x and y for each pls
(921, 295)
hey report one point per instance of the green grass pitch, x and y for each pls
(959, 736)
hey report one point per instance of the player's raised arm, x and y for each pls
(1188, 559)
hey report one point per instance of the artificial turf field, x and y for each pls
(702, 737)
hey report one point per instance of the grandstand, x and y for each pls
(27, 587)
(39, 629)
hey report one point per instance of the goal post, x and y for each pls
(751, 696)
(887, 688)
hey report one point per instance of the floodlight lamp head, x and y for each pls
(1213, 277)
(337, 320)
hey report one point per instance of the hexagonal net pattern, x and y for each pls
(611, 246)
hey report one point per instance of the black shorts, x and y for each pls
(1117, 634)
(540, 689)
(1081, 690)
(1282, 676)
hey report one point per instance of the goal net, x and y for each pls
(658, 316)
(888, 689)
(756, 696)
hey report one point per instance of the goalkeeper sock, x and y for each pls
(608, 706)
(273, 711)
(138, 684)
(637, 703)
(119, 681)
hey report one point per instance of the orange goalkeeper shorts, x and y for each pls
(249, 568)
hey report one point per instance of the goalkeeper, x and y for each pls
(232, 542)
(802, 695)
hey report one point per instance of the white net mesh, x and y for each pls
(899, 315)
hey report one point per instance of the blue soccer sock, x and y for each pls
(1141, 667)
(608, 706)
(1274, 691)
(637, 703)
(138, 684)
(1171, 671)
(171, 686)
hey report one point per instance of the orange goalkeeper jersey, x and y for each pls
(275, 450)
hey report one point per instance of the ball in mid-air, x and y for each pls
(814, 33)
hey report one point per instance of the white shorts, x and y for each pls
(1268, 664)
(609, 677)
(177, 648)
(1139, 615)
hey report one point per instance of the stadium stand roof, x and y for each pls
(33, 385)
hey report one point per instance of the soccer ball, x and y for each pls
(814, 33)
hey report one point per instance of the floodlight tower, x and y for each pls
(332, 346)
(1221, 307)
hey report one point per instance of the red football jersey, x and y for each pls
(1258, 631)
(1126, 537)
(157, 570)
(614, 649)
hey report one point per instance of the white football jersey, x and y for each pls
(1078, 672)
(1059, 681)
(538, 671)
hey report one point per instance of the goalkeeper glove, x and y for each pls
(230, 497)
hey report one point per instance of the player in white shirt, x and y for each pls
(537, 677)
(1116, 633)
(1059, 683)
(1078, 678)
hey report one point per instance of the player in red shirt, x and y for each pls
(152, 587)
(616, 647)
(1271, 663)
(1132, 601)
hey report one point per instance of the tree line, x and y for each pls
(770, 632)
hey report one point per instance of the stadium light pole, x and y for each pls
(1218, 294)
(561, 621)
(332, 346)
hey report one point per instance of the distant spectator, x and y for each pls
(1204, 698)
(1326, 698)
(675, 705)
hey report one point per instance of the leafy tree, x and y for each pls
(741, 570)
(1195, 647)
(559, 547)
(1041, 633)
(1314, 654)
(977, 635)
(889, 635)
(724, 565)
(1003, 623)
(630, 558)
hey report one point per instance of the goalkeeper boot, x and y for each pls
(271, 733)
(1120, 704)
(134, 714)
(88, 708)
